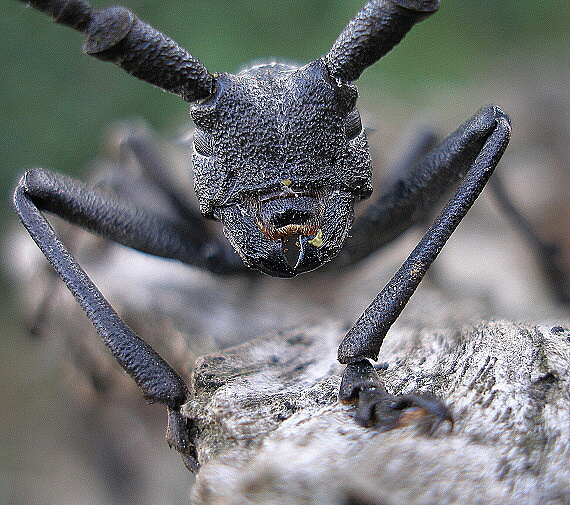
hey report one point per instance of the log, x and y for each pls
(270, 428)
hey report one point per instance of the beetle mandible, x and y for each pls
(280, 158)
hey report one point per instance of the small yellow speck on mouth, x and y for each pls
(286, 182)
(317, 240)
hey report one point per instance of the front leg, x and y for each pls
(479, 144)
(41, 190)
(376, 407)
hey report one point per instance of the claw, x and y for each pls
(177, 437)
(376, 407)
(429, 409)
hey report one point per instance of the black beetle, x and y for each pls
(280, 157)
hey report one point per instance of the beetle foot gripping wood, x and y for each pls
(376, 407)
(177, 437)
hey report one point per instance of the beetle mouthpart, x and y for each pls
(280, 218)
(288, 216)
(329, 239)
(320, 224)
(254, 247)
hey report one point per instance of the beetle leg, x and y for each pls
(423, 141)
(110, 215)
(156, 171)
(410, 194)
(416, 187)
(474, 150)
(376, 407)
(40, 190)
(547, 253)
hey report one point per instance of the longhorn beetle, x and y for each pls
(279, 157)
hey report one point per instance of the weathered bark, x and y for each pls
(270, 429)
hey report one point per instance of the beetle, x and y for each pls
(280, 158)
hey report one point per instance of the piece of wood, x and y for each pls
(272, 431)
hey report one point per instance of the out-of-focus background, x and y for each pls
(56, 106)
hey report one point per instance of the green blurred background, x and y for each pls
(55, 103)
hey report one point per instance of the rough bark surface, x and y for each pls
(272, 431)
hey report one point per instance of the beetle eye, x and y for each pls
(203, 142)
(352, 124)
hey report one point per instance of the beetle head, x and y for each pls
(280, 157)
(279, 150)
